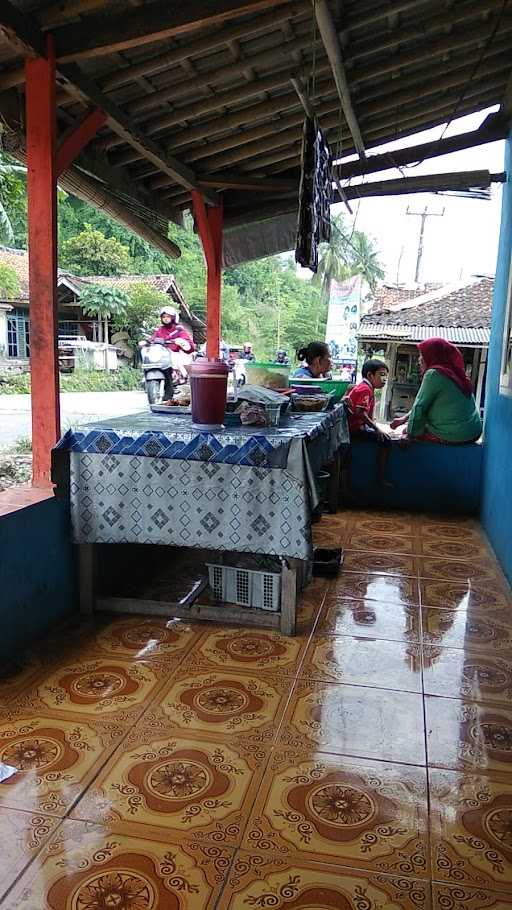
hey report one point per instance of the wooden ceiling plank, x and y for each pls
(272, 57)
(101, 35)
(202, 45)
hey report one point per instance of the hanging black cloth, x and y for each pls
(315, 195)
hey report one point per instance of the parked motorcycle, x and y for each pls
(163, 370)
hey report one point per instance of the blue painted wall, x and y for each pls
(37, 574)
(497, 466)
(423, 477)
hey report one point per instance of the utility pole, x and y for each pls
(423, 215)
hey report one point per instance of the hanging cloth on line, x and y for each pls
(315, 195)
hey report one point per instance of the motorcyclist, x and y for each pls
(282, 357)
(176, 339)
(247, 353)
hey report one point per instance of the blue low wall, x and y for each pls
(37, 574)
(425, 477)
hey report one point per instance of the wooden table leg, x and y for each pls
(289, 593)
(87, 577)
(333, 490)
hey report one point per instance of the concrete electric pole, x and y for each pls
(423, 215)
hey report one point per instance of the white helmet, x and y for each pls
(169, 311)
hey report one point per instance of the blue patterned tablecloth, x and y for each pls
(147, 478)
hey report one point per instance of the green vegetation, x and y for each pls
(9, 284)
(124, 380)
(91, 253)
(264, 302)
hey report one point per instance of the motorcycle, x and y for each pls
(163, 369)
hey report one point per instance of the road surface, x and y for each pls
(76, 407)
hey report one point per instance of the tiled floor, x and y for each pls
(364, 765)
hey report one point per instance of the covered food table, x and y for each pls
(155, 479)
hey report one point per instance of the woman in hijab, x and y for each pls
(444, 409)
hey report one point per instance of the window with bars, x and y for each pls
(506, 355)
(18, 335)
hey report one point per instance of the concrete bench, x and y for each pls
(425, 477)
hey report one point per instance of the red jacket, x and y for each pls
(170, 333)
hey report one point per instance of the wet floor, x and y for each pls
(365, 763)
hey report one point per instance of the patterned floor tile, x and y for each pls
(100, 687)
(22, 834)
(472, 630)
(457, 897)
(364, 662)
(474, 677)
(88, 867)
(393, 622)
(146, 638)
(201, 787)
(384, 588)
(223, 703)
(457, 529)
(376, 525)
(446, 548)
(19, 677)
(460, 572)
(449, 595)
(467, 736)
(248, 650)
(380, 543)
(55, 757)
(264, 881)
(471, 820)
(379, 563)
(368, 815)
(352, 720)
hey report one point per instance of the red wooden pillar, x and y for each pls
(209, 223)
(42, 245)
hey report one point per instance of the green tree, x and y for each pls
(140, 313)
(91, 253)
(105, 303)
(13, 201)
(335, 259)
(9, 283)
(365, 259)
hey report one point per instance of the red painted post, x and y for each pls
(214, 284)
(209, 223)
(42, 245)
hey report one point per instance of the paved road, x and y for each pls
(76, 407)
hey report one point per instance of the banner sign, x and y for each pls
(343, 319)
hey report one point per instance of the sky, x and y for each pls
(461, 243)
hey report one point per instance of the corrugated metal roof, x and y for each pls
(456, 334)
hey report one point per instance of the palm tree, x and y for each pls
(334, 263)
(103, 302)
(365, 261)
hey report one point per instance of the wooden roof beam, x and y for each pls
(88, 92)
(103, 34)
(24, 29)
(506, 101)
(426, 183)
(333, 51)
(488, 132)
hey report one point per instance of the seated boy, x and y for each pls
(361, 405)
